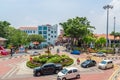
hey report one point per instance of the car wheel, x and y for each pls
(87, 66)
(56, 71)
(78, 76)
(112, 66)
(38, 74)
(63, 78)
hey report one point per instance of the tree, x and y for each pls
(35, 37)
(100, 41)
(3, 26)
(77, 28)
(16, 37)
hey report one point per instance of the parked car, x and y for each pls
(105, 64)
(48, 68)
(35, 53)
(88, 63)
(99, 54)
(68, 73)
(75, 52)
(3, 51)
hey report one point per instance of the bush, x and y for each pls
(42, 59)
(32, 65)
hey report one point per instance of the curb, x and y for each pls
(114, 75)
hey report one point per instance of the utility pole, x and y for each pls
(107, 7)
(114, 33)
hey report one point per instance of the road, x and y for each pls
(15, 68)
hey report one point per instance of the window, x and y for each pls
(45, 36)
(48, 29)
(52, 36)
(51, 31)
(74, 70)
(55, 36)
(33, 31)
(48, 34)
(40, 27)
(40, 32)
(44, 28)
(44, 32)
(48, 38)
(55, 31)
(70, 71)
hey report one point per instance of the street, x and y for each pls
(15, 68)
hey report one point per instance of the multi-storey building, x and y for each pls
(50, 33)
(30, 29)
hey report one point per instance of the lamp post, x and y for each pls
(114, 33)
(107, 7)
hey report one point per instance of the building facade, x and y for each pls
(29, 29)
(49, 32)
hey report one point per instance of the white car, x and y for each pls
(105, 64)
(68, 73)
(35, 53)
(99, 54)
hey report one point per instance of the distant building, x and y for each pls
(29, 29)
(50, 33)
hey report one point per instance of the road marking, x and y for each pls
(9, 73)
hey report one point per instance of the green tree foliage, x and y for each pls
(89, 39)
(3, 26)
(35, 37)
(77, 28)
(16, 37)
(100, 41)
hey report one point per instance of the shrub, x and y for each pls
(54, 60)
(42, 59)
(32, 65)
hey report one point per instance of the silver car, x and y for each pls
(105, 64)
(99, 54)
(68, 73)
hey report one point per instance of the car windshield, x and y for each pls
(103, 62)
(64, 71)
(86, 62)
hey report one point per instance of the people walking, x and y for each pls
(58, 50)
(78, 61)
(12, 51)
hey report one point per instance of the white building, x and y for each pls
(50, 33)
(29, 29)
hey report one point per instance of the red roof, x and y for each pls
(111, 37)
(28, 28)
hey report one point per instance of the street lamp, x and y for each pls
(114, 33)
(107, 7)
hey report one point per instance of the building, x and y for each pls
(29, 29)
(50, 33)
(110, 38)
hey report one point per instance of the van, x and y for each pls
(105, 64)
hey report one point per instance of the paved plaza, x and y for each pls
(15, 68)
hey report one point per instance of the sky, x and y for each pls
(39, 12)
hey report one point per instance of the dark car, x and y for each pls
(48, 68)
(88, 63)
(75, 52)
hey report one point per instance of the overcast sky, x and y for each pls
(37, 12)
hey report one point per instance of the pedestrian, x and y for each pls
(58, 50)
(12, 51)
(78, 61)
